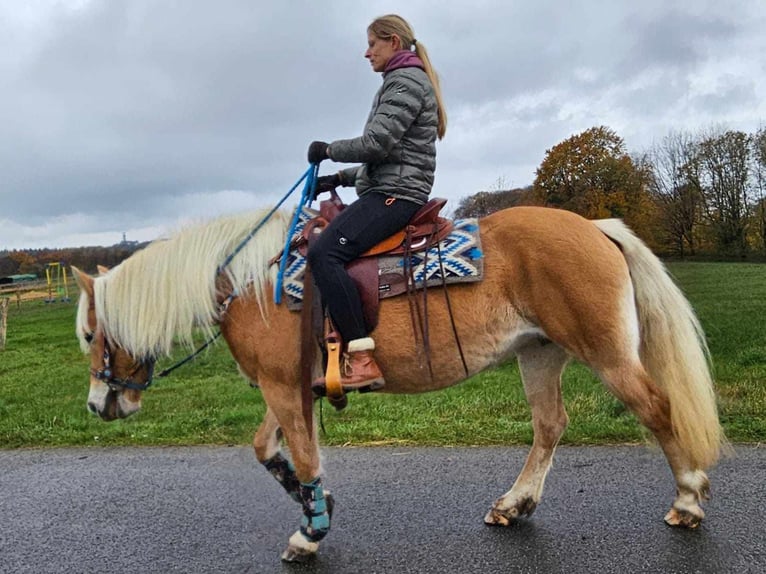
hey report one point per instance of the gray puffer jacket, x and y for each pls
(397, 149)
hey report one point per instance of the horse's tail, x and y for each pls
(673, 348)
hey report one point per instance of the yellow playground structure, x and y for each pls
(58, 289)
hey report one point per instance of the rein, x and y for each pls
(105, 373)
(310, 175)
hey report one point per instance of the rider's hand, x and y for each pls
(326, 183)
(318, 151)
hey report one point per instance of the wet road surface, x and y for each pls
(398, 510)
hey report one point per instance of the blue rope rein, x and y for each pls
(310, 175)
(308, 189)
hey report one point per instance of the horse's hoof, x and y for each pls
(297, 555)
(503, 517)
(299, 549)
(683, 518)
(496, 518)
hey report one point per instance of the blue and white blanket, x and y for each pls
(461, 259)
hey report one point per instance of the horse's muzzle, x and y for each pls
(112, 405)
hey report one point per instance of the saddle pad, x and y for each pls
(461, 259)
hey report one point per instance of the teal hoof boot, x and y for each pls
(317, 510)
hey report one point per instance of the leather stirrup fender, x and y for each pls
(332, 377)
(386, 245)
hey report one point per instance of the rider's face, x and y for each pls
(380, 50)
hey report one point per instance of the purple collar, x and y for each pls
(403, 59)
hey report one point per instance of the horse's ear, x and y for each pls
(102, 269)
(83, 280)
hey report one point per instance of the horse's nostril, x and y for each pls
(92, 409)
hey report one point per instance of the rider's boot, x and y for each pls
(358, 369)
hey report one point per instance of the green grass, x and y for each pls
(44, 380)
(730, 301)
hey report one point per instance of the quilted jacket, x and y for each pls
(397, 149)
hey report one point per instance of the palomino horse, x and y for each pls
(556, 287)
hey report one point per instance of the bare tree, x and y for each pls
(675, 184)
(483, 203)
(725, 169)
(759, 187)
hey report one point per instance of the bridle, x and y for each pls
(106, 375)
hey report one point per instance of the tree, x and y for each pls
(8, 266)
(675, 184)
(483, 203)
(725, 162)
(591, 174)
(25, 262)
(759, 189)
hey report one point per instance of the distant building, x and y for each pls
(126, 243)
(22, 278)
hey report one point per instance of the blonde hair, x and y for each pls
(386, 27)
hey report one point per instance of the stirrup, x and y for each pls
(332, 378)
(319, 387)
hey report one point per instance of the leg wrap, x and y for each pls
(283, 470)
(315, 523)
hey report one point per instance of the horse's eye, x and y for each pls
(88, 338)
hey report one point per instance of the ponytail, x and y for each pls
(422, 53)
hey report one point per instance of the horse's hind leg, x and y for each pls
(632, 385)
(267, 450)
(541, 365)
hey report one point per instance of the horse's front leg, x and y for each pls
(541, 366)
(301, 478)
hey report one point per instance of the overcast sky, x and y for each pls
(138, 116)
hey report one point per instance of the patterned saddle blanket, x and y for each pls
(461, 262)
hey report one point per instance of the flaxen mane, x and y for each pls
(162, 293)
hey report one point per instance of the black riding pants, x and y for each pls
(360, 226)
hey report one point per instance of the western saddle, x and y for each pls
(425, 229)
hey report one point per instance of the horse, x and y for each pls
(556, 287)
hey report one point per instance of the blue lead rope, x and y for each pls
(308, 191)
(310, 175)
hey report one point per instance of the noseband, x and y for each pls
(106, 375)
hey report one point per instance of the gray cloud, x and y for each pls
(135, 116)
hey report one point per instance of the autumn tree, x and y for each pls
(86, 258)
(675, 185)
(25, 262)
(7, 266)
(591, 174)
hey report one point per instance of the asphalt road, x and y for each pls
(398, 510)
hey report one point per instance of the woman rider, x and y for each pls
(397, 153)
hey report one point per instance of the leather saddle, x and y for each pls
(425, 229)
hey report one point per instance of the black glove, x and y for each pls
(325, 184)
(317, 152)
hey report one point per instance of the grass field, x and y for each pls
(44, 380)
